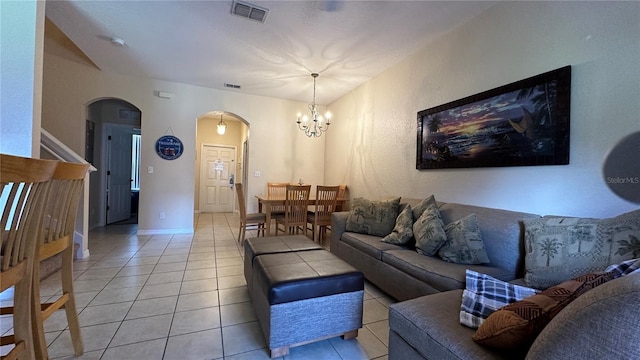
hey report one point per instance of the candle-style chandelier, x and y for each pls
(316, 125)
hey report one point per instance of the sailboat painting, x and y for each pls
(524, 123)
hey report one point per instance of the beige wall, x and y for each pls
(372, 143)
(277, 148)
(373, 147)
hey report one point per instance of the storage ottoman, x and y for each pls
(305, 296)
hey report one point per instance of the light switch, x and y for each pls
(256, 173)
(150, 169)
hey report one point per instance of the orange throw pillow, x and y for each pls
(517, 325)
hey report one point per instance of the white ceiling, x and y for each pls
(201, 43)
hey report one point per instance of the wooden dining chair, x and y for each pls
(277, 190)
(25, 185)
(325, 205)
(259, 219)
(61, 208)
(342, 194)
(295, 209)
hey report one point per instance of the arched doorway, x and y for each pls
(221, 160)
(112, 145)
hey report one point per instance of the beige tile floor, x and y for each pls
(181, 297)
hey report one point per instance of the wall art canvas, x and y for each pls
(520, 124)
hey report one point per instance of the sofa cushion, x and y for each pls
(368, 244)
(428, 325)
(429, 231)
(502, 233)
(464, 242)
(516, 325)
(373, 217)
(441, 275)
(485, 294)
(560, 248)
(423, 205)
(402, 232)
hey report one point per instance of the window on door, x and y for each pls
(135, 161)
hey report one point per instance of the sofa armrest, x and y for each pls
(601, 324)
(338, 225)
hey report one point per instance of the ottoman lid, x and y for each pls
(300, 275)
(279, 244)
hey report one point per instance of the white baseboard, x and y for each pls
(85, 254)
(165, 231)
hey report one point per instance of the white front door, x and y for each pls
(119, 138)
(217, 166)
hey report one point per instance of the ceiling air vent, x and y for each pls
(233, 86)
(249, 11)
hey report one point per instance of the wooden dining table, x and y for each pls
(265, 204)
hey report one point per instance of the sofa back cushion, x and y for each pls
(502, 233)
(559, 248)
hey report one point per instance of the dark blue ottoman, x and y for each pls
(305, 296)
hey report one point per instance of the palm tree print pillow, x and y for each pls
(562, 248)
(373, 217)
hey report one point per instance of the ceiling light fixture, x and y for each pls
(222, 127)
(317, 127)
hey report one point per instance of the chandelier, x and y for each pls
(316, 125)
(222, 127)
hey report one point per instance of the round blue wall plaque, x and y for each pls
(169, 147)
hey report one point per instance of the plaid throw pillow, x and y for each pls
(624, 268)
(485, 294)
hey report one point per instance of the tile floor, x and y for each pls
(181, 297)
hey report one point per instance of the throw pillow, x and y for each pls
(464, 242)
(429, 231)
(402, 232)
(373, 217)
(516, 325)
(485, 294)
(423, 205)
(624, 268)
(559, 248)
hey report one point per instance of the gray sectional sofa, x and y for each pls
(425, 324)
(404, 274)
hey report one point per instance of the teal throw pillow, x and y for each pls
(429, 231)
(464, 242)
(561, 248)
(373, 217)
(422, 206)
(402, 232)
